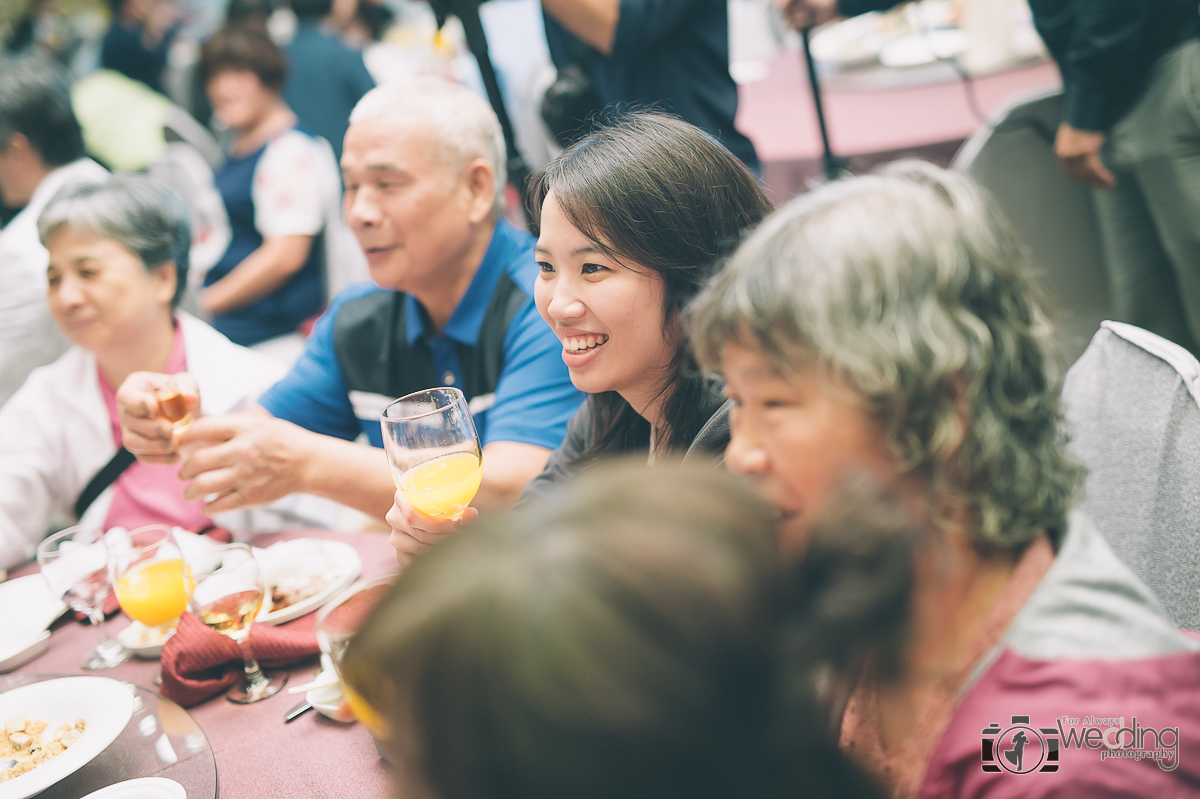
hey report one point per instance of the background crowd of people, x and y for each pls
(774, 502)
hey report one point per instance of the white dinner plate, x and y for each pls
(141, 788)
(333, 563)
(22, 634)
(105, 706)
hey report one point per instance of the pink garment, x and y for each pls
(146, 494)
(1160, 692)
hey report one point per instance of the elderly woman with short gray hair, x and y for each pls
(886, 324)
(118, 266)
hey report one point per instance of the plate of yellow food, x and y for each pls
(56, 727)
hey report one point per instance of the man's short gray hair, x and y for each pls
(461, 124)
(139, 213)
(911, 285)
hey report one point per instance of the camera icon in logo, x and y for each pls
(1019, 749)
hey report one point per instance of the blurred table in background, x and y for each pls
(873, 115)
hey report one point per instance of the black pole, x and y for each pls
(467, 12)
(834, 166)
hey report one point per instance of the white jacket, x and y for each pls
(55, 435)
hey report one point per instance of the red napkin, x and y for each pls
(198, 663)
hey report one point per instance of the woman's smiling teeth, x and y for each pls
(582, 343)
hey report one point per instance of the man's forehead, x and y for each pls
(380, 143)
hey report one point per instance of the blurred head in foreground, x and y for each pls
(632, 638)
(887, 323)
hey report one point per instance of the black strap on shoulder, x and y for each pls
(103, 479)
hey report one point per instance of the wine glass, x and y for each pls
(74, 565)
(225, 587)
(337, 622)
(433, 451)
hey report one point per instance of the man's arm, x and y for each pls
(251, 458)
(507, 468)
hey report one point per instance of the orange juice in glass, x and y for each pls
(433, 451)
(147, 569)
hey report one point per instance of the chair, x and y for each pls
(1013, 158)
(1132, 404)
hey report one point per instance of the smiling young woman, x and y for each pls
(631, 222)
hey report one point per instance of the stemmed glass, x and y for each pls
(146, 568)
(147, 573)
(225, 587)
(433, 451)
(337, 622)
(74, 564)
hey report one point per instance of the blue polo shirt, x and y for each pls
(373, 345)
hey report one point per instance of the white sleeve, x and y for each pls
(287, 188)
(29, 493)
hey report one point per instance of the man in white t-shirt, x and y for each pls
(41, 150)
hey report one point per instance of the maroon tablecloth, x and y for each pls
(258, 756)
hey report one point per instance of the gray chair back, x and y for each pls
(1013, 158)
(1132, 404)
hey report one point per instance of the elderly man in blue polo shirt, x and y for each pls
(423, 167)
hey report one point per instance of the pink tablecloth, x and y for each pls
(258, 756)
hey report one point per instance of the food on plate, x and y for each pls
(23, 741)
(290, 590)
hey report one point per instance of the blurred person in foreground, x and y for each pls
(281, 194)
(326, 78)
(118, 259)
(632, 636)
(41, 150)
(612, 288)
(1130, 130)
(451, 305)
(887, 324)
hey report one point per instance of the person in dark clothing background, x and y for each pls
(326, 78)
(672, 54)
(1130, 130)
(137, 42)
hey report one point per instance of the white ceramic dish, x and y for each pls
(144, 642)
(23, 634)
(142, 788)
(105, 705)
(334, 562)
(16, 653)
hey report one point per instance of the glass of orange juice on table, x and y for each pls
(147, 574)
(226, 590)
(433, 451)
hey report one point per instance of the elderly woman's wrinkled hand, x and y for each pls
(413, 531)
(145, 431)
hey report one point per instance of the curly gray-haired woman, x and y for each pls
(887, 323)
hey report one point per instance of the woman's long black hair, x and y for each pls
(657, 191)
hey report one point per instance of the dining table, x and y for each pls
(255, 753)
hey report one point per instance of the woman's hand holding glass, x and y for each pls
(155, 409)
(74, 565)
(226, 589)
(437, 465)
